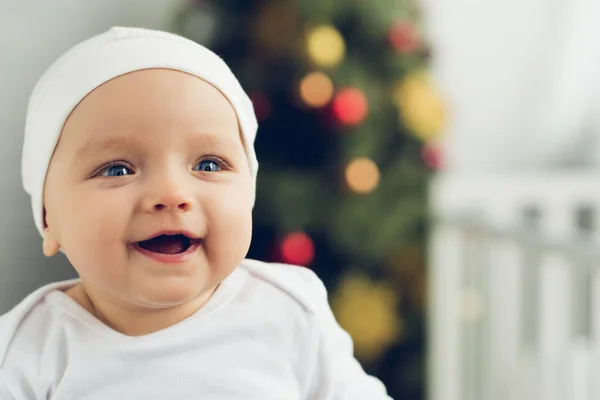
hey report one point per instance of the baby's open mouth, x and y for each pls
(167, 244)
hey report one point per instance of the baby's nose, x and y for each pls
(168, 196)
(173, 201)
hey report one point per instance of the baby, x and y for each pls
(139, 160)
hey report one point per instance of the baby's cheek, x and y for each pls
(95, 223)
(95, 250)
(230, 227)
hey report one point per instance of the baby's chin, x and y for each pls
(174, 293)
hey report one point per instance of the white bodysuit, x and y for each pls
(267, 333)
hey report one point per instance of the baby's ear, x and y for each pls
(50, 245)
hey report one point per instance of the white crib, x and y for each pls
(514, 283)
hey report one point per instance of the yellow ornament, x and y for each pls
(367, 311)
(325, 46)
(421, 108)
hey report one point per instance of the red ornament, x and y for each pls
(432, 156)
(403, 37)
(350, 106)
(262, 105)
(297, 248)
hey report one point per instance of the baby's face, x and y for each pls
(148, 152)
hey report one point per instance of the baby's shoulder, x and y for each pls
(300, 284)
(27, 324)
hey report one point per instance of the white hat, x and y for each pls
(100, 59)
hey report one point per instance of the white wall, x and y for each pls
(32, 34)
(521, 79)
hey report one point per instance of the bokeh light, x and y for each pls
(316, 89)
(350, 106)
(362, 175)
(297, 248)
(326, 46)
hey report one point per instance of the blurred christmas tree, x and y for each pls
(347, 128)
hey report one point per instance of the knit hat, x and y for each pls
(100, 59)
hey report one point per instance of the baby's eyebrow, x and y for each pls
(214, 140)
(105, 144)
(112, 143)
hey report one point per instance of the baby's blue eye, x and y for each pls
(116, 170)
(207, 166)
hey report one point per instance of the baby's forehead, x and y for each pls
(145, 103)
(155, 91)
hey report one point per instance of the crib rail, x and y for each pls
(514, 290)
